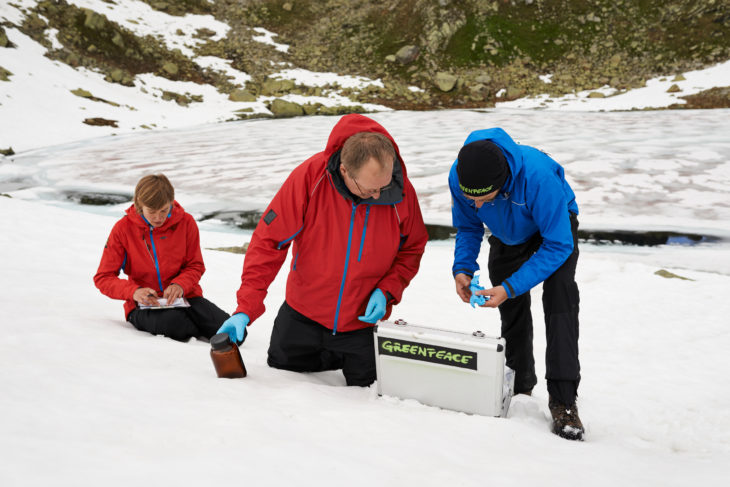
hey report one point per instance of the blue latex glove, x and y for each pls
(235, 326)
(375, 309)
(475, 299)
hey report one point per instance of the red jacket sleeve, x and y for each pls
(282, 220)
(112, 259)
(413, 243)
(193, 266)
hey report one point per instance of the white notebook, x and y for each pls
(178, 303)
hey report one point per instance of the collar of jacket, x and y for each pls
(390, 197)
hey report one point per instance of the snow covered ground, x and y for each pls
(92, 400)
(88, 400)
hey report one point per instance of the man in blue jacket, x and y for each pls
(522, 196)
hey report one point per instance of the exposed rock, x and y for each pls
(82, 93)
(478, 91)
(311, 108)
(679, 77)
(596, 94)
(514, 92)
(182, 100)
(241, 95)
(101, 122)
(117, 75)
(445, 81)
(483, 78)
(98, 199)
(674, 89)
(340, 110)
(390, 58)
(287, 6)
(86, 94)
(118, 40)
(4, 73)
(284, 109)
(407, 54)
(7, 152)
(234, 250)
(712, 98)
(670, 275)
(170, 68)
(272, 86)
(204, 33)
(4, 42)
(94, 21)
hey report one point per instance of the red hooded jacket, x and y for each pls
(343, 247)
(151, 257)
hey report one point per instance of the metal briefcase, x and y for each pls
(452, 370)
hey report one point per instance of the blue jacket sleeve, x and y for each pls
(546, 201)
(469, 230)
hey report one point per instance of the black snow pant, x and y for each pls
(560, 301)
(303, 345)
(201, 319)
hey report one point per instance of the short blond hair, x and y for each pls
(153, 191)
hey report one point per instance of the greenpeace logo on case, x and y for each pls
(453, 357)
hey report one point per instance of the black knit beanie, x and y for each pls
(481, 167)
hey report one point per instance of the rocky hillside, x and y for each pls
(428, 53)
(462, 52)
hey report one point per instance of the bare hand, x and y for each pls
(146, 296)
(462, 282)
(497, 295)
(172, 292)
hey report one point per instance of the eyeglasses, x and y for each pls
(371, 192)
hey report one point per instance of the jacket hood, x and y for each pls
(174, 217)
(350, 125)
(511, 150)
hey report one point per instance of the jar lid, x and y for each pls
(221, 341)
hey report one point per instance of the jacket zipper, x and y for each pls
(364, 229)
(157, 265)
(344, 273)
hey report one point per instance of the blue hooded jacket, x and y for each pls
(535, 198)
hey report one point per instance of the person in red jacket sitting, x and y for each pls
(157, 245)
(353, 222)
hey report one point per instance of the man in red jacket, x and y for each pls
(353, 221)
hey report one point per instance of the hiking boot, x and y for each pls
(566, 422)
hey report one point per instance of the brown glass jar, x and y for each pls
(226, 357)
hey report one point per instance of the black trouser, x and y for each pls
(201, 319)
(303, 345)
(560, 301)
